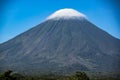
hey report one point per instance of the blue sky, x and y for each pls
(17, 16)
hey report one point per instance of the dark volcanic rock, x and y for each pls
(61, 45)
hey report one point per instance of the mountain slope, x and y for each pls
(61, 44)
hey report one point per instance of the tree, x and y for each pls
(6, 75)
(80, 76)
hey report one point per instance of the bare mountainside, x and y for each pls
(62, 43)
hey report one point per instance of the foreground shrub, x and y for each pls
(80, 76)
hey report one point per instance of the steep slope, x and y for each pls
(61, 44)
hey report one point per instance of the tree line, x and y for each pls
(9, 75)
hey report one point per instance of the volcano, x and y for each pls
(65, 42)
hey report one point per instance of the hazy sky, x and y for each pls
(17, 16)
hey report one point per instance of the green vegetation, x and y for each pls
(9, 75)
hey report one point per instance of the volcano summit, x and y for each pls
(66, 14)
(65, 42)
